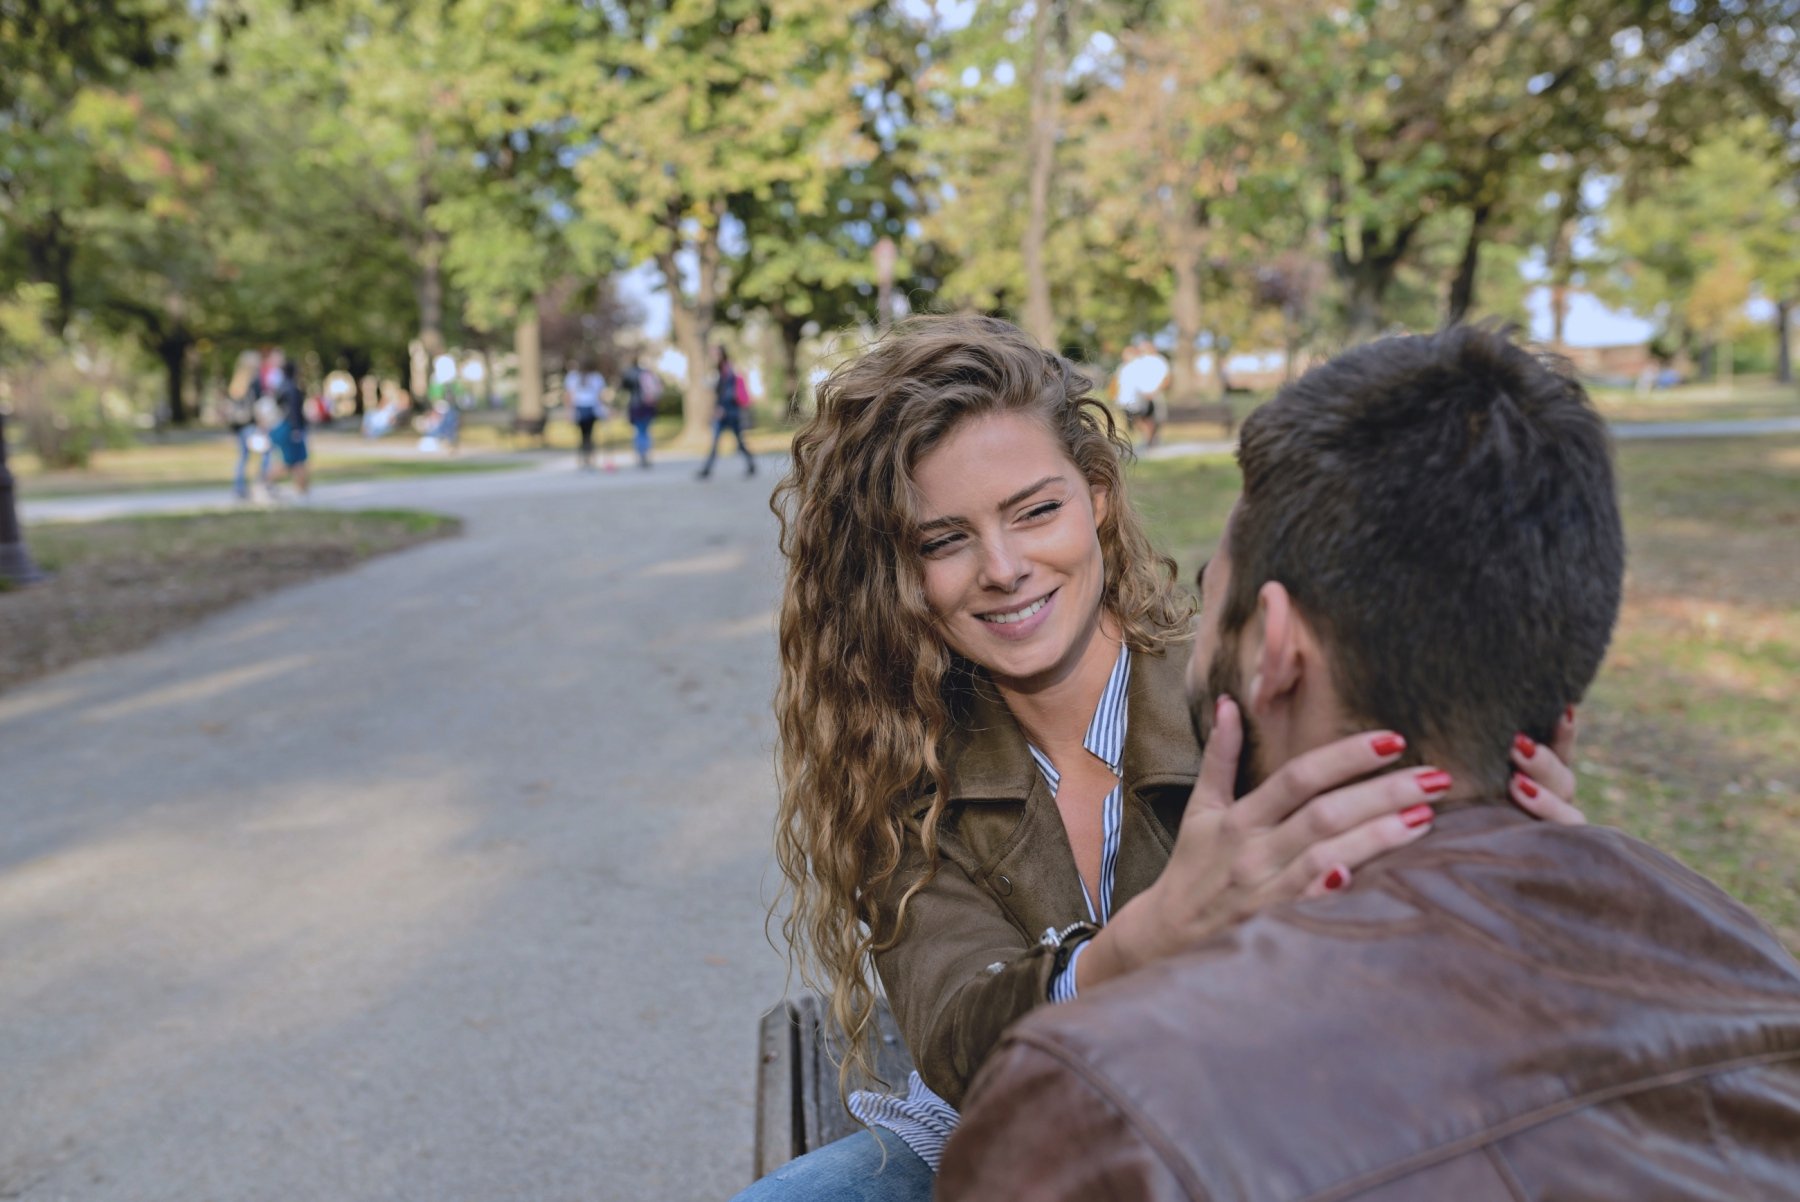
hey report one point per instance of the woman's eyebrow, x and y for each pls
(939, 523)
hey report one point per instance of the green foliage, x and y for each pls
(1693, 242)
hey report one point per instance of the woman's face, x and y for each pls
(1010, 548)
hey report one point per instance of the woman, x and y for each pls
(986, 754)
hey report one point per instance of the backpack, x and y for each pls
(650, 387)
(743, 392)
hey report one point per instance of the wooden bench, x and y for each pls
(1196, 410)
(530, 427)
(797, 1105)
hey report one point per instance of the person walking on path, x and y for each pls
(586, 388)
(1143, 377)
(728, 414)
(240, 415)
(642, 391)
(289, 434)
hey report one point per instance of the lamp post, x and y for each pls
(15, 562)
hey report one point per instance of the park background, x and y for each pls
(414, 843)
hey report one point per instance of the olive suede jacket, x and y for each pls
(969, 959)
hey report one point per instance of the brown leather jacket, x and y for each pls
(969, 960)
(1505, 1010)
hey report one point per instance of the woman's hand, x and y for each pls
(1544, 785)
(1298, 833)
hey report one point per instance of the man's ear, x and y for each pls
(1276, 668)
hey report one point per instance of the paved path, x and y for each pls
(441, 879)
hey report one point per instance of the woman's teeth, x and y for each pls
(1018, 615)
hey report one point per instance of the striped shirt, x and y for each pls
(921, 1118)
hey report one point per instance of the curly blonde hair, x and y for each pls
(869, 691)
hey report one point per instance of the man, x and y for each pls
(1429, 541)
(289, 434)
(1143, 377)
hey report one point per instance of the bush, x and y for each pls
(69, 398)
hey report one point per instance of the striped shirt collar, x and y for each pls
(1105, 738)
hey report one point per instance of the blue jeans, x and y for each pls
(849, 1170)
(641, 438)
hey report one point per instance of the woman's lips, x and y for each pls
(1024, 627)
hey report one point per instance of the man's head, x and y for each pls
(1428, 541)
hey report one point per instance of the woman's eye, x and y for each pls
(939, 544)
(1044, 510)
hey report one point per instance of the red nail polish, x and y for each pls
(1526, 744)
(1433, 780)
(1388, 744)
(1417, 816)
(1525, 785)
(1569, 714)
(1337, 878)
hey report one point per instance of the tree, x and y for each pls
(673, 112)
(1411, 114)
(1691, 242)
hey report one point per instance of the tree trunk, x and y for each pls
(50, 259)
(173, 350)
(791, 328)
(528, 346)
(1562, 259)
(431, 311)
(693, 323)
(1366, 287)
(1187, 308)
(1784, 358)
(1462, 287)
(1040, 152)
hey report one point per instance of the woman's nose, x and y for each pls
(1002, 566)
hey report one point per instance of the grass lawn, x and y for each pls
(1689, 737)
(1750, 397)
(206, 460)
(119, 584)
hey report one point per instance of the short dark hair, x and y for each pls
(1442, 508)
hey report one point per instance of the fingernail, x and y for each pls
(1337, 878)
(1416, 816)
(1526, 744)
(1218, 706)
(1388, 744)
(1433, 780)
(1568, 713)
(1525, 785)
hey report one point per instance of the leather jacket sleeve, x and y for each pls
(959, 974)
(1037, 1129)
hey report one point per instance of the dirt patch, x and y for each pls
(120, 584)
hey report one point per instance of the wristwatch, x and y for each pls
(1065, 940)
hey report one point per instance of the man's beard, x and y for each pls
(1222, 680)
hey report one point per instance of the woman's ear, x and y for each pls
(1102, 499)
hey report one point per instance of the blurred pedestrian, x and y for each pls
(289, 434)
(240, 415)
(586, 389)
(642, 390)
(729, 394)
(1143, 377)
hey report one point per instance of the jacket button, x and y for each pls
(1003, 885)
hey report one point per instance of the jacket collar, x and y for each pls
(988, 759)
